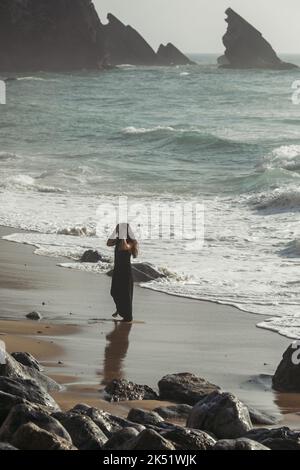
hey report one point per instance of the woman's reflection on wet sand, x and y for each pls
(116, 351)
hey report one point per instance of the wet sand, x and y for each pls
(81, 347)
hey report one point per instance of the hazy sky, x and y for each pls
(198, 25)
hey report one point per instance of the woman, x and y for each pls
(122, 281)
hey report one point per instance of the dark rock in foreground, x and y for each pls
(85, 434)
(28, 390)
(122, 390)
(120, 439)
(239, 444)
(16, 370)
(31, 437)
(149, 439)
(106, 422)
(184, 388)
(222, 414)
(143, 272)
(189, 439)
(259, 417)
(7, 402)
(246, 47)
(170, 55)
(28, 413)
(137, 415)
(27, 360)
(174, 411)
(276, 439)
(287, 375)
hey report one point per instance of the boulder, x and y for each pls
(238, 444)
(99, 417)
(124, 45)
(52, 36)
(27, 359)
(174, 412)
(31, 437)
(184, 388)
(189, 439)
(16, 370)
(27, 413)
(149, 440)
(246, 47)
(7, 402)
(287, 375)
(34, 316)
(91, 256)
(137, 415)
(122, 390)
(260, 417)
(170, 55)
(276, 439)
(106, 422)
(28, 390)
(85, 434)
(143, 272)
(120, 439)
(222, 414)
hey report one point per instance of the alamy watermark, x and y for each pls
(296, 93)
(2, 353)
(296, 353)
(2, 92)
(151, 220)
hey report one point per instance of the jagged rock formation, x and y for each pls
(124, 45)
(62, 35)
(170, 55)
(49, 35)
(247, 48)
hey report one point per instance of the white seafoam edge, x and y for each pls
(2, 352)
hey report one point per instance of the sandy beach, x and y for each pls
(83, 349)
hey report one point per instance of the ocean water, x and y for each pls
(227, 139)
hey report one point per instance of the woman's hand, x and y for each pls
(111, 242)
(125, 246)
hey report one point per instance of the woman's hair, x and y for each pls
(124, 232)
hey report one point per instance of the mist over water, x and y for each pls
(227, 138)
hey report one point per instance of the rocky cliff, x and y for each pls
(50, 35)
(247, 48)
(170, 55)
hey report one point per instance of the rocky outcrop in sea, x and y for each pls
(38, 35)
(247, 48)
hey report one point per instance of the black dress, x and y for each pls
(122, 284)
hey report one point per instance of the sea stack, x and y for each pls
(247, 48)
(56, 35)
(124, 45)
(67, 35)
(170, 55)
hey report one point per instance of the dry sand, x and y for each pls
(81, 347)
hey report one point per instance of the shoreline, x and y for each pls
(63, 262)
(214, 341)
